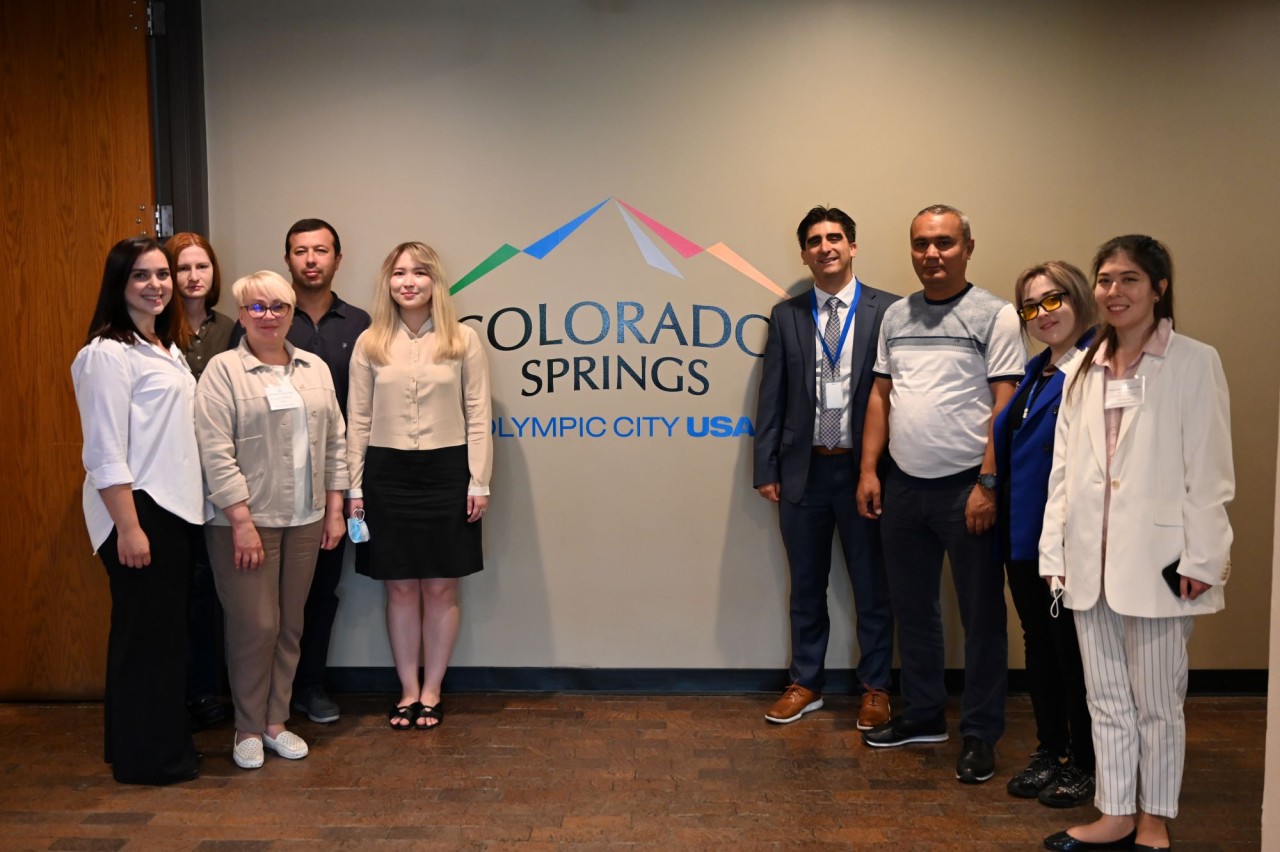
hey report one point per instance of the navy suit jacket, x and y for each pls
(788, 387)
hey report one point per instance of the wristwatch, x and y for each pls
(987, 480)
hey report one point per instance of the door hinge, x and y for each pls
(155, 19)
(164, 221)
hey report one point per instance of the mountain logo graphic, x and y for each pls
(652, 254)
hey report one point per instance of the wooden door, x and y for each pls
(75, 177)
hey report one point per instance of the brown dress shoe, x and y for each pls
(875, 709)
(796, 700)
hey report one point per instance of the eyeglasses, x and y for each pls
(1051, 302)
(258, 310)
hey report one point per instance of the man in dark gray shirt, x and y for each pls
(327, 326)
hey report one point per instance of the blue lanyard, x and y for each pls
(834, 357)
(1041, 382)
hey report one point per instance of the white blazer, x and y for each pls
(1171, 479)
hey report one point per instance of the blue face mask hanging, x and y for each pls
(357, 529)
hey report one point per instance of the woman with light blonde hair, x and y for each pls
(274, 455)
(420, 456)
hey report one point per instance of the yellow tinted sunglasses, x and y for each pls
(1050, 302)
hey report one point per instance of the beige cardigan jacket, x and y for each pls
(246, 449)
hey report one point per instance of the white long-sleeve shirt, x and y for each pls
(137, 413)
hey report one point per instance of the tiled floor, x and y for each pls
(585, 771)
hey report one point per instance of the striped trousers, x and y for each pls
(1135, 670)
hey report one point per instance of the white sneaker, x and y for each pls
(247, 753)
(288, 745)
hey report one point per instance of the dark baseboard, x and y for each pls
(711, 681)
(1199, 681)
(1227, 682)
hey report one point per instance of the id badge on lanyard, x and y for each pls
(833, 393)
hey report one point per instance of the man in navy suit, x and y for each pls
(813, 400)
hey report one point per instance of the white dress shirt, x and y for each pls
(844, 362)
(304, 512)
(137, 413)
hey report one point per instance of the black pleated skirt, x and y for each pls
(415, 504)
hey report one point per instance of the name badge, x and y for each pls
(282, 398)
(1124, 393)
(832, 395)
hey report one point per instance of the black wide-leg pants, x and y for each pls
(147, 728)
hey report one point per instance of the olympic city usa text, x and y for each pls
(590, 323)
(626, 426)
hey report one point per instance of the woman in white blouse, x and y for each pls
(274, 454)
(420, 457)
(141, 493)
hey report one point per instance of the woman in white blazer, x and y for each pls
(1136, 531)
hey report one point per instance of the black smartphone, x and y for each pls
(1173, 578)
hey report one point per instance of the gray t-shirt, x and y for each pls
(942, 357)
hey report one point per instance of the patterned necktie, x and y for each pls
(829, 422)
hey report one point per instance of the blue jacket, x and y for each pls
(1025, 458)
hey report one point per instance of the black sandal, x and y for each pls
(408, 713)
(428, 712)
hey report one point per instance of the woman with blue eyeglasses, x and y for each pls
(273, 448)
(1057, 309)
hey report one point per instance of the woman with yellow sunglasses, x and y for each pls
(1058, 311)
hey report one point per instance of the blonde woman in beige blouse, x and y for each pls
(420, 456)
(273, 450)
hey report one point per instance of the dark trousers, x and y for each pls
(1054, 672)
(922, 519)
(317, 624)
(147, 737)
(204, 626)
(807, 529)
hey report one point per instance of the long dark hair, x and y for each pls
(1153, 258)
(111, 316)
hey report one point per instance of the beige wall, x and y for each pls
(471, 125)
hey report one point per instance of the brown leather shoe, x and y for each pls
(796, 700)
(875, 709)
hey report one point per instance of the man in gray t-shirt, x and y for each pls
(948, 359)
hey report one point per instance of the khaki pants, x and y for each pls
(264, 610)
